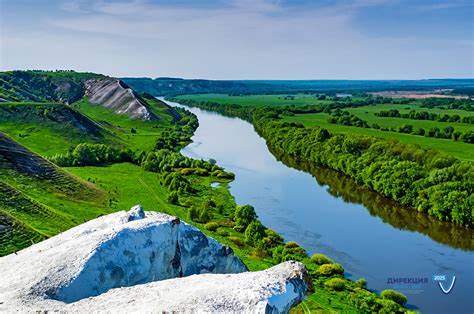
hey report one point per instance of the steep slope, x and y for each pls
(114, 94)
(60, 114)
(48, 128)
(140, 250)
(16, 158)
(61, 86)
(69, 86)
(33, 193)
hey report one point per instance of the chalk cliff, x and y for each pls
(135, 261)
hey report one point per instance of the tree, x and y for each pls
(254, 232)
(243, 216)
(468, 137)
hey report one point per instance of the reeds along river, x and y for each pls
(324, 211)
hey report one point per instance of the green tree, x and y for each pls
(243, 216)
(254, 233)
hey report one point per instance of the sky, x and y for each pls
(242, 39)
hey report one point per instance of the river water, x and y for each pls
(326, 212)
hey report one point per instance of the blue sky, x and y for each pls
(242, 39)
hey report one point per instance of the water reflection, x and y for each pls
(331, 216)
(342, 186)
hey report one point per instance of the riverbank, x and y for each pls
(422, 180)
(345, 225)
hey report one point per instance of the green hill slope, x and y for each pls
(38, 199)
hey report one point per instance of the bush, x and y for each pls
(193, 213)
(86, 154)
(254, 232)
(272, 239)
(330, 270)
(337, 284)
(222, 232)
(395, 296)
(173, 198)
(211, 226)
(361, 283)
(388, 306)
(320, 259)
(291, 245)
(289, 251)
(205, 214)
(237, 241)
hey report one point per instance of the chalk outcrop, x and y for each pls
(133, 262)
(114, 94)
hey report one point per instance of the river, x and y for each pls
(327, 213)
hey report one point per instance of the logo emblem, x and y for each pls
(441, 280)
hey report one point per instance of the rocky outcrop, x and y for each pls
(126, 262)
(116, 95)
(273, 290)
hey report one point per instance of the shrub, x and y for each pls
(337, 284)
(259, 252)
(173, 198)
(193, 213)
(320, 259)
(388, 306)
(289, 251)
(254, 232)
(205, 215)
(291, 245)
(222, 232)
(211, 226)
(395, 296)
(237, 241)
(272, 239)
(330, 270)
(361, 283)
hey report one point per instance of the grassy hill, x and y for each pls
(64, 86)
(48, 128)
(38, 199)
(49, 114)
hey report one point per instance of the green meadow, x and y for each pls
(455, 148)
(258, 100)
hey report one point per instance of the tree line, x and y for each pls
(448, 132)
(424, 180)
(425, 115)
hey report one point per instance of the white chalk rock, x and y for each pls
(116, 95)
(125, 261)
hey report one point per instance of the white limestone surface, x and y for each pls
(124, 262)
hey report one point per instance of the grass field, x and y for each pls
(455, 148)
(405, 108)
(48, 128)
(121, 125)
(258, 100)
(129, 185)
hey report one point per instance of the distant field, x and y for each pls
(405, 108)
(455, 148)
(458, 149)
(259, 100)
